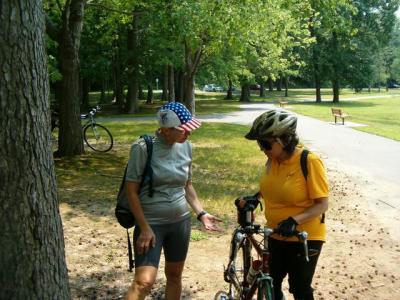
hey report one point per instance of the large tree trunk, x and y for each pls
(189, 94)
(229, 93)
(245, 94)
(132, 105)
(70, 141)
(335, 88)
(32, 257)
(171, 84)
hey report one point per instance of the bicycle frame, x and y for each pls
(244, 238)
(246, 289)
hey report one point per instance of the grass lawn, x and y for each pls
(219, 178)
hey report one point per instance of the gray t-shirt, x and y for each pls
(172, 168)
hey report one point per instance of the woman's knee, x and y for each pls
(173, 271)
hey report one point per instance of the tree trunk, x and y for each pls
(164, 95)
(245, 94)
(70, 140)
(149, 99)
(229, 93)
(179, 86)
(192, 60)
(279, 84)
(189, 95)
(133, 66)
(103, 91)
(32, 257)
(262, 89)
(286, 84)
(335, 88)
(171, 84)
(117, 76)
(270, 85)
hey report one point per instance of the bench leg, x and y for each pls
(335, 119)
(342, 121)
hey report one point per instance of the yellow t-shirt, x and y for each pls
(286, 193)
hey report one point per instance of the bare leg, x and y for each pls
(173, 272)
(141, 285)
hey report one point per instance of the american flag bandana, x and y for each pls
(175, 114)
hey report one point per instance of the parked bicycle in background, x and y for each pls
(247, 271)
(96, 136)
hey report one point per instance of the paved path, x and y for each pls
(373, 160)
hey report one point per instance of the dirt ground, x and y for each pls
(361, 259)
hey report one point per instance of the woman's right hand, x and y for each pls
(146, 240)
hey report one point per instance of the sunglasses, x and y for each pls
(265, 145)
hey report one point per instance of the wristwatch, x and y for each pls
(200, 214)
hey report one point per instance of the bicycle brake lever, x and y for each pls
(303, 238)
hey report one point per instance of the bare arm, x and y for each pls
(320, 206)
(146, 237)
(209, 221)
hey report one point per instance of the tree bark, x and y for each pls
(245, 94)
(335, 88)
(32, 257)
(192, 60)
(279, 84)
(70, 140)
(132, 105)
(262, 89)
(286, 84)
(270, 85)
(179, 86)
(149, 99)
(171, 84)
(117, 76)
(229, 93)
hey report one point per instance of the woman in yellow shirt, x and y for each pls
(292, 202)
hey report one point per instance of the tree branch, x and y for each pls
(89, 3)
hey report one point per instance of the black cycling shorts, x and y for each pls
(172, 238)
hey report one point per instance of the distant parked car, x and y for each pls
(255, 87)
(394, 86)
(212, 88)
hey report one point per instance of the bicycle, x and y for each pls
(247, 275)
(96, 136)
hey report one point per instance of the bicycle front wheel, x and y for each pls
(265, 291)
(97, 137)
(240, 265)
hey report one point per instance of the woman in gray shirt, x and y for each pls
(163, 220)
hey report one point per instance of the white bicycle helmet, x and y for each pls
(274, 122)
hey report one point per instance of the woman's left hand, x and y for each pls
(210, 222)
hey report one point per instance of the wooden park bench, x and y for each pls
(282, 103)
(338, 113)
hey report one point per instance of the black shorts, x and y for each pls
(172, 238)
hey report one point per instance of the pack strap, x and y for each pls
(148, 171)
(304, 169)
(130, 253)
